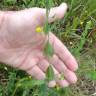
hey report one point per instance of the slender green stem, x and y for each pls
(15, 90)
(48, 48)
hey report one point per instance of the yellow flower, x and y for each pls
(81, 23)
(30, 77)
(39, 29)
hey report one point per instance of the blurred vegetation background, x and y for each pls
(77, 31)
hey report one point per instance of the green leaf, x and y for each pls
(91, 75)
(83, 38)
(25, 1)
(29, 83)
(91, 6)
(50, 73)
(48, 50)
(11, 83)
(43, 90)
(75, 23)
(1, 90)
(10, 1)
(26, 92)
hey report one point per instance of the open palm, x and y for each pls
(22, 47)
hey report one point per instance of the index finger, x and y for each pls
(63, 53)
(55, 13)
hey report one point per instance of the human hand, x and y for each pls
(22, 47)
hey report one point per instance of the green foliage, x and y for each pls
(11, 84)
(1, 91)
(83, 38)
(26, 92)
(91, 75)
(29, 83)
(50, 74)
(77, 29)
(43, 89)
(48, 50)
(10, 2)
(91, 7)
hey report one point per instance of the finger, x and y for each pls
(52, 84)
(55, 13)
(57, 76)
(43, 65)
(57, 81)
(34, 70)
(59, 65)
(70, 76)
(63, 52)
(63, 83)
(28, 63)
(37, 73)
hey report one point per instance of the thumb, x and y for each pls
(55, 13)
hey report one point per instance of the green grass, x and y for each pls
(78, 32)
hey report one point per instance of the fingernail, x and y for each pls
(52, 84)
